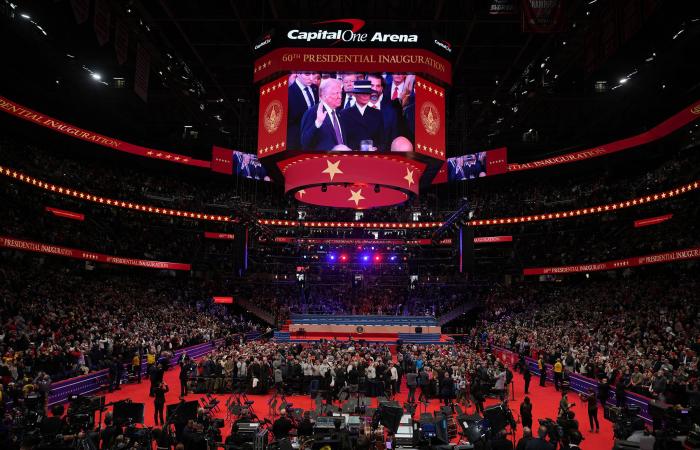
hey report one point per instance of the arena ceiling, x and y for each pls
(535, 93)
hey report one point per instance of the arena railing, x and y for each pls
(578, 383)
(93, 382)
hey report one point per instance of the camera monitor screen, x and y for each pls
(247, 165)
(477, 165)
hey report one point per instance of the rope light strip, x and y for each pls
(663, 195)
(55, 188)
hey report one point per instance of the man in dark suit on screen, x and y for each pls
(391, 110)
(302, 96)
(362, 121)
(322, 128)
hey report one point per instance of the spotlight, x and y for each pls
(331, 256)
(96, 76)
(324, 188)
(365, 258)
(377, 258)
(343, 258)
(393, 258)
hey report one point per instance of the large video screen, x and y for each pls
(247, 165)
(351, 111)
(477, 165)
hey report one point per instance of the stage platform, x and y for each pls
(386, 338)
(380, 329)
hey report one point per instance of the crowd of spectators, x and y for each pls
(65, 323)
(639, 332)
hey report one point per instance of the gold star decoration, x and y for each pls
(332, 169)
(356, 196)
(409, 177)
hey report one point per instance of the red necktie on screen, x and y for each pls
(395, 94)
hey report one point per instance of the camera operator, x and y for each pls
(282, 426)
(162, 439)
(575, 439)
(56, 424)
(569, 426)
(541, 442)
(109, 433)
(564, 406)
(193, 436)
(306, 426)
(500, 441)
(527, 437)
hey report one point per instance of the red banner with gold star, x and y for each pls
(430, 119)
(351, 180)
(272, 117)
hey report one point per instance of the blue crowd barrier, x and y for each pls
(580, 384)
(88, 384)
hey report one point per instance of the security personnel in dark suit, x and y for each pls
(501, 442)
(302, 96)
(526, 377)
(322, 128)
(363, 122)
(540, 443)
(391, 110)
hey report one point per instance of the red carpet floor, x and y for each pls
(545, 403)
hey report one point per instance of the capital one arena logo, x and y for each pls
(430, 118)
(344, 35)
(273, 116)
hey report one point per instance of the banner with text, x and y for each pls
(492, 239)
(652, 220)
(67, 214)
(37, 247)
(224, 236)
(659, 131)
(21, 112)
(350, 60)
(677, 255)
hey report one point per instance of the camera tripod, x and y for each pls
(278, 398)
